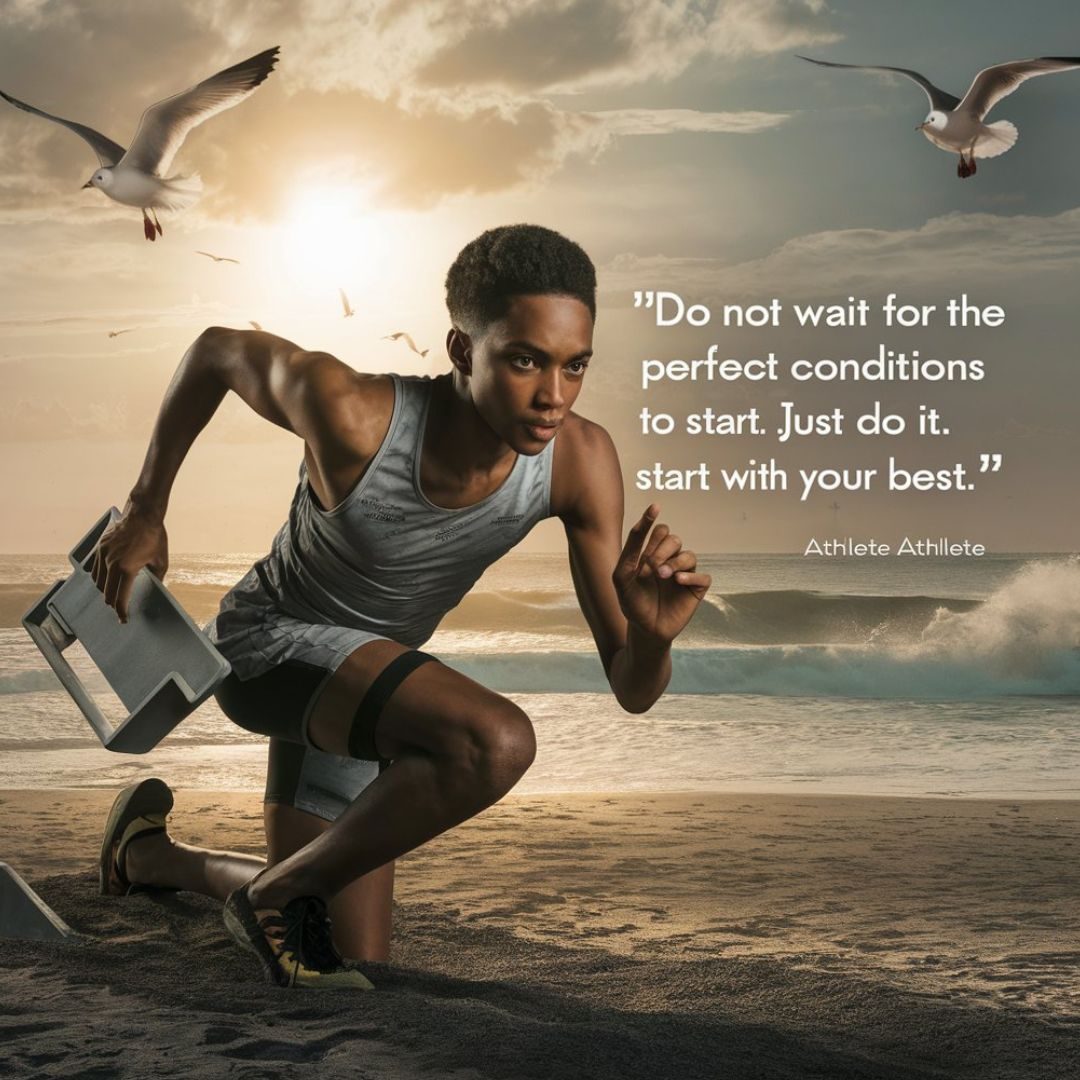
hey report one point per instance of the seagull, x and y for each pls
(957, 125)
(407, 338)
(345, 304)
(135, 177)
(218, 258)
(117, 333)
(254, 324)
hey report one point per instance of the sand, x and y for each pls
(598, 936)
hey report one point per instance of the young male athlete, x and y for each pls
(409, 489)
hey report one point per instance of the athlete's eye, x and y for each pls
(522, 361)
(578, 367)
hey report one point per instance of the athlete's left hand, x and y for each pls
(659, 587)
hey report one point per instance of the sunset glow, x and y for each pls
(327, 242)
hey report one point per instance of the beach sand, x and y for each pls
(598, 936)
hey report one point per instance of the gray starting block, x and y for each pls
(159, 663)
(23, 914)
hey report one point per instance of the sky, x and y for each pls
(683, 144)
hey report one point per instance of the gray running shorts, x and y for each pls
(279, 703)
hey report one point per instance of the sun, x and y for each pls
(328, 242)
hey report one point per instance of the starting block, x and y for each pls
(23, 914)
(159, 663)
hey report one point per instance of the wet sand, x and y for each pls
(709, 935)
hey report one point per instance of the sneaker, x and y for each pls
(139, 810)
(294, 945)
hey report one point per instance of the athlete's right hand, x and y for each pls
(136, 539)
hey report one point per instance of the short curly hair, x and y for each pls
(515, 260)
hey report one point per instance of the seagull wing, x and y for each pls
(164, 126)
(994, 83)
(344, 301)
(409, 341)
(108, 152)
(939, 99)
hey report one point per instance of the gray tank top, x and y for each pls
(386, 560)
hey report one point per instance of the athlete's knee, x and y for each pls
(496, 747)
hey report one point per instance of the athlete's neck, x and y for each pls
(461, 453)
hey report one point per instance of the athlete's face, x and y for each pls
(527, 368)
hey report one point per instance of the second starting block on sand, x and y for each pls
(23, 914)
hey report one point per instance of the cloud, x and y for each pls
(127, 416)
(668, 121)
(179, 316)
(420, 100)
(30, 13)
(955, 251)
(29, 420)
(404, 158)
(66, 260)
(407, 49)
(753, 27)
(102, 395)
(254, 160)
(415, 157)
(531, 47)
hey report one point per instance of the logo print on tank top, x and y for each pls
(445, 534)
(376, 510)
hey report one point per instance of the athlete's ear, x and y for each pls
(459, 349)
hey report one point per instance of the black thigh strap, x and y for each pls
(362, 732)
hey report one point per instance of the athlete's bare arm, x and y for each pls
(340, 414)
(636, 596)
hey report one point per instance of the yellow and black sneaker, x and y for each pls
(294, 945)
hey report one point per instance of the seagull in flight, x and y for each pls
(345, 304)
(254, 324)
(957, 125)
(407, 338)
(136, 176)
(117, 333)
(218, 258)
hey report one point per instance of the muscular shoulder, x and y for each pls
(351, 416)
(585, 476)
(350, 410)
(332, 407)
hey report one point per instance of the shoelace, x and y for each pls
(306, 933)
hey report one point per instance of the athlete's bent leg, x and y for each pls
(160, 860)
(456, 748)
(361, 913)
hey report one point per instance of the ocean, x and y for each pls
(898, 676)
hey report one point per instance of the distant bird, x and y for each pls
(345, 304)
(134, 177)
(117, 333)
(254, 324)
(407, 338)
(218, 258)
(956, 125)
